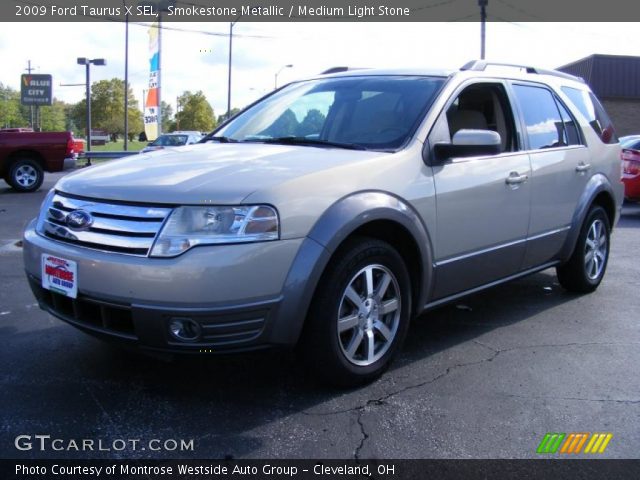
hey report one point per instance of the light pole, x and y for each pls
(483, 25)
(231, 25)
(126, 80)
(87, 63)
(278, 73)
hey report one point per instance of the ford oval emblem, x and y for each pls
(79, 220)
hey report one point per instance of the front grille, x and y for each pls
(88, 312)
(121, 228)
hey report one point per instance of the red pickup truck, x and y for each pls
(25, 156)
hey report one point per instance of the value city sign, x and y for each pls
(36, 89)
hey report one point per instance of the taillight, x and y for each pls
(630, 162)
(70, 145)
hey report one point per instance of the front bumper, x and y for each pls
(234, 292)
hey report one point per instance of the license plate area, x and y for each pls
(59, 275)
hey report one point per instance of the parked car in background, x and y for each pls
(175, 139)
(631, 166)
(25, 155)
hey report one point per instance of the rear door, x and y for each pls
(560, 166)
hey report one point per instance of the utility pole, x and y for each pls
(126, 82)
(483, 26)
(29, 69)
(231, 25)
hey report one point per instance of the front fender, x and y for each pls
(329, 232)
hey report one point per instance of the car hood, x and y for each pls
(204, 173)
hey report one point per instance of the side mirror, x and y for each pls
(469, 143)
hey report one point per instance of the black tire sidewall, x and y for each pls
(21, 162)
(322, 337)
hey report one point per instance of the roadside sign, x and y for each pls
(36, 89)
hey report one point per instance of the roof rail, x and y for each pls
(334, 70)
(481, 66)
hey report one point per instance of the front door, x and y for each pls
(483, 203)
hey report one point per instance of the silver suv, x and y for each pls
(332, 211)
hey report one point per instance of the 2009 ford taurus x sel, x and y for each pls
(331, 212)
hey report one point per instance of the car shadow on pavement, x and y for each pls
(72, 385)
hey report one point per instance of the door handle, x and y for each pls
(583, 167)
(515, 178)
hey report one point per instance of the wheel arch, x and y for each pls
(23, 153)
(370, 213)
(598, 191)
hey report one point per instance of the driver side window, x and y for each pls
(482, 106)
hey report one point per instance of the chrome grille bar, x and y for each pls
(129, 229)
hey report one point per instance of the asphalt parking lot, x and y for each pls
(485, 378)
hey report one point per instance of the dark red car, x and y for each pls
(631, 166)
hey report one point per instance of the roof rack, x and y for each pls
(335, 70)
(481, 65)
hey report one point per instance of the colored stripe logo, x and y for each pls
(573, 443)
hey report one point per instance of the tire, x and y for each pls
(359, 315)
(586, 267)
(25, 175)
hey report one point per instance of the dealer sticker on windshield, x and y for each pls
(60, 275)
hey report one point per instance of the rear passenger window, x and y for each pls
(570, 127)
(545, 127)
(591, 108)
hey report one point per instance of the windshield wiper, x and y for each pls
(291, 140)
(213, 138)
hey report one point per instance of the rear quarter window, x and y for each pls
(594, 112)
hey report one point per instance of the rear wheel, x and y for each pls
(586, 267)
(25, 175)
(360, 314)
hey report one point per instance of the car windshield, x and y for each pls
(170, 141)
(364, 112)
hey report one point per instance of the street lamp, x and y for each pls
(87, 63)
(278, 73)
(231, 25)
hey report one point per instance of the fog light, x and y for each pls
(184, 329)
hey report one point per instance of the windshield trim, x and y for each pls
(411, 132)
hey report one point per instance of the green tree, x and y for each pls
(53, 118)
(12, 114)
(107, 109)
(195, 112)
(166, 111)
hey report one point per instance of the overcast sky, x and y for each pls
(197, 61)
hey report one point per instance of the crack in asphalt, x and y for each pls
(578, 399)
(553, 345)
(365, 435)
(380, 401)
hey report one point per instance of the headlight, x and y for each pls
(187, 227)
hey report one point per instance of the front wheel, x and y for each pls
(586, 267)
(25, 175)
(360, 314)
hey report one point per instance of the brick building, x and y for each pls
(615, 79)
